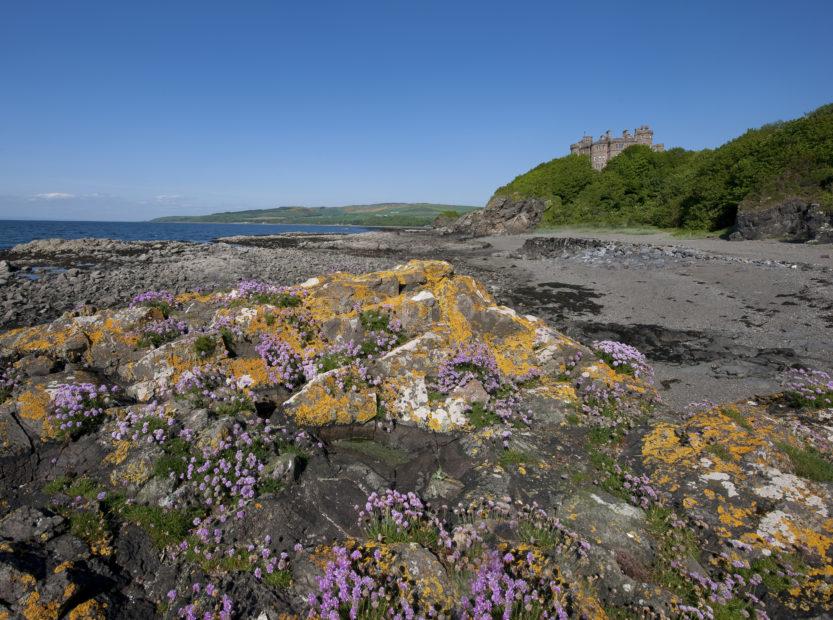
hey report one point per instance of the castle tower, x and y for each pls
(644, 135)
(607, 147)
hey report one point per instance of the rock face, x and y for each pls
(503, 215)
(792, 220)
(245, 454)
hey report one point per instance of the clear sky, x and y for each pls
(130, 110)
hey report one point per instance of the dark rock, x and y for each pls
(37, 365)
(27, 523)
(792, 220)
(503, 215)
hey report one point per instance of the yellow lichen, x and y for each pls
(734, 516)
(193, 296)
(34, 609)
(322, 406)
(253, 367)
(136, 472)
(62, 567)
(117, 456)
(33, 405)
(88, 610)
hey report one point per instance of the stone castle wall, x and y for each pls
(607, 147)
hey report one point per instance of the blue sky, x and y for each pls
(129, 110)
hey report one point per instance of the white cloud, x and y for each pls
(54, 196)
(167, 197)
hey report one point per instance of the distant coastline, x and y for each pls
(382, 215)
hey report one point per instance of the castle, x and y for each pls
(606, 147)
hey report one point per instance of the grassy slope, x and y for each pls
(384, 214)
(691, 189)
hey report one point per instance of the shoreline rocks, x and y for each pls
(283, 440)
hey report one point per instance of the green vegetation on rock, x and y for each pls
(809, 463)
(204, 346)
(689, 189)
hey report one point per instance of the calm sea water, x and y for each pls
(13, 232)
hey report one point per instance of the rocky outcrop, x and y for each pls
(503, 215)
(271, 444)
(792, 220)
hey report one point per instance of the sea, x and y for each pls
(13, 232)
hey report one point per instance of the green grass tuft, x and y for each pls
(737, 417)
(809, 463)
(513, 457)
(481, 417)
(205, 345)
(165, 527)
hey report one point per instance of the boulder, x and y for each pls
(792, 220)
(503, 215)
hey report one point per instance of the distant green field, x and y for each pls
(383, 214)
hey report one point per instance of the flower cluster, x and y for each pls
(510, 410)
(362, 580)
(477, 363)
(510, 584)
(358, 583)
(150, 424)
(78, 406)
(699, 406)
(624, 358)
(340, 354)
(469, 363)
(605, 404)
(265, 293)
(156, 333)
(210, 387)
(642, 492)
(205, 602)
(571, 365)
(227, 474)
(730, 588)
(9, 378)
(268, 566)
(809, 388)
(533, 525)
(205, 547)
(226, 327)
(250, 288)
(379, 342)
(393, 516)
(300, 319)
(151, 298)
(285, 365)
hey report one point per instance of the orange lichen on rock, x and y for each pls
(43, 338)
(119, 454)
(33, 407)
(35, 609)
(321, 403)
(88, 610)
(726, 467)
(33, 404)
(252, 367)
(193, 296)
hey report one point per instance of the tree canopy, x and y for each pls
(691, 189)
